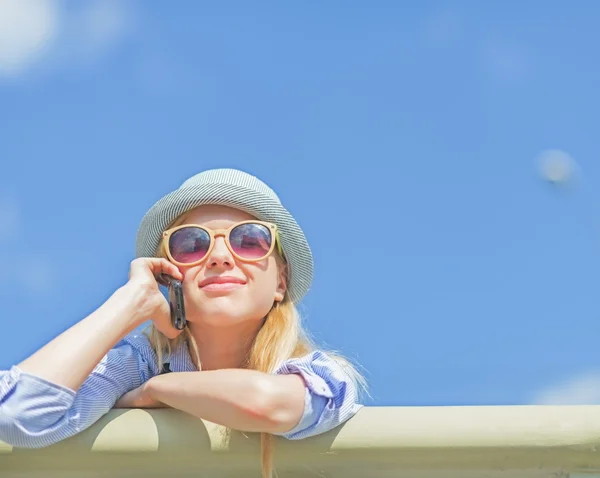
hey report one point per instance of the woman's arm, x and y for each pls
(244, 400)
(307, 396)
(69, 359)
(35, 413)
(76, 378)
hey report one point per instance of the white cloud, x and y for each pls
(45, 32)
(27, 29)
(583, 389)
(557, 166)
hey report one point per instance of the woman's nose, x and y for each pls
(220, 256)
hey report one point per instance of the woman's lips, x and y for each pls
(222, 286)
(221, 283)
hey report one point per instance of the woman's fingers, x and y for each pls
(144, 273)
(145, 268)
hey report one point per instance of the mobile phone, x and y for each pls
(176, 304)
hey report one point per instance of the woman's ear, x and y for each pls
(281, 285)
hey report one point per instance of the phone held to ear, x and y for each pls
(175, 300)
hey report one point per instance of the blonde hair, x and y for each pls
(281, 337)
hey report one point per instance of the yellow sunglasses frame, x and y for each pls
(213, 234)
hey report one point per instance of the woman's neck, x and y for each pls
(223, 347)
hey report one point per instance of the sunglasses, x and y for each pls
(248, 241)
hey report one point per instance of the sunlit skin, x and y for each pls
(223, 320)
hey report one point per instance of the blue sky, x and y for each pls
(417, 124)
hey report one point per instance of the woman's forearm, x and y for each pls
(244, 400)
(68, 359)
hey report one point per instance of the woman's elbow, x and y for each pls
(32, 429)
(15, 434)
(278, 405)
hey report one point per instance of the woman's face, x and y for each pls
(245, 291)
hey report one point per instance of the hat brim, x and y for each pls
(173, 205)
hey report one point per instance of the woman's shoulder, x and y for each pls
(138, 340)
(137, 344)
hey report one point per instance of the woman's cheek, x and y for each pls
(189, 273)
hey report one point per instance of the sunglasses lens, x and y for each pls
(189, 244)
(251, 241)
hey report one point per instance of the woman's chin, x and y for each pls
(225, 309)
(220, 311)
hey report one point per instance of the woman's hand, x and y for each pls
(139, 398)
(149, 302)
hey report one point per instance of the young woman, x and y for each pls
(242, 361)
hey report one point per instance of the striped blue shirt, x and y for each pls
(35, 413)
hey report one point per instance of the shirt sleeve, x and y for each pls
(331, 396)
(35, 413)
